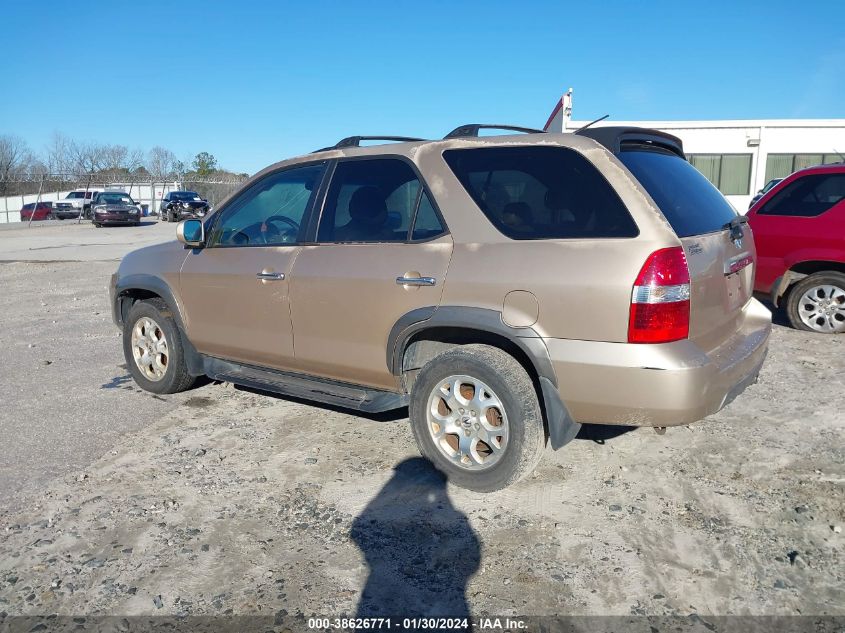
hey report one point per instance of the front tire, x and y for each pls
(152, 346)
(476, 416)
(817, 303)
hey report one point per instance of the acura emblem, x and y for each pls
(738, 242)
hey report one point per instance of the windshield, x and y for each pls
(114, 198)
(75, 194)
(184, 195)
(690, 203)
(770, 184)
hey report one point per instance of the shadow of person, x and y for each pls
(421, 551)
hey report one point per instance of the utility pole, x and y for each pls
(84, 198)
(37, 201)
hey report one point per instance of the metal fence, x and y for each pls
(22, 189)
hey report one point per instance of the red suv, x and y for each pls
(42, 211)
(799, 230)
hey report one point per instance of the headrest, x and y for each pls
(368, 206)
(556, 199)
(520, 210)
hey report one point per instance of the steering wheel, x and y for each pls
(278, 218)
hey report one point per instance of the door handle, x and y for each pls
(268, 276)
(416, 281)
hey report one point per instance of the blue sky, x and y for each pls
(253, 82)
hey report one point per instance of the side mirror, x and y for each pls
(191, 233)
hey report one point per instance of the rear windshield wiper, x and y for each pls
(735, 225)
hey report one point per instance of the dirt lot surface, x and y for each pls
(225, 501)
(69, 240)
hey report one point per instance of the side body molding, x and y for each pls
(123, 288)
(561, 427)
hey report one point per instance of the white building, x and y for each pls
(741, 156)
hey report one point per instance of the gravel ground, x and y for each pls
(69, 240)
(226, 501)
(66, 394)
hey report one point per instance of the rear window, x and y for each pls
(533, 193)
(690, 203)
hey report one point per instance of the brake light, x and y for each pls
(660, 299)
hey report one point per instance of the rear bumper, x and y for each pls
(659, 385)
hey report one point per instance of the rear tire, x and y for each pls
(817, 303)
(497, 407)
(152, 346)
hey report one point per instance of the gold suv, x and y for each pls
(507, 289)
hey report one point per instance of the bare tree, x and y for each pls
(14, 158)
(58, 154)
(135, 160)
(114, 157)
(87, 157)
(161, 163)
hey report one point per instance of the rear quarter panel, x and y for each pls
(583, 286)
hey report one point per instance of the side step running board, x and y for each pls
(339, 394)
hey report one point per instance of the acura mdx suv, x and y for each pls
(507, 289)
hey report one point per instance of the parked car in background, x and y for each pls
(764, 191)
(177, 205)
(115, 207)
(799, 228)
(37, 211)
(507, 289)
(75, 202)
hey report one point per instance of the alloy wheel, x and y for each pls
(467, 422)
(822, 308)
(149, 349)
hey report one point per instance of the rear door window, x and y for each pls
(688, 201)
(427, 224)
(807, 197)
(533, 193)
(377, 200)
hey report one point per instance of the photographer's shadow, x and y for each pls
(421, 551)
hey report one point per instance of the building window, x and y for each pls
(781, 165)
(731, 173)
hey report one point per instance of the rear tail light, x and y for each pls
(660, 299)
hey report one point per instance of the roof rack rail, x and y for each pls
(355, 141)
(471, 129)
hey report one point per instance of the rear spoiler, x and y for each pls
(616, 138)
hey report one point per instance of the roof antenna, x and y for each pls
(591, 122)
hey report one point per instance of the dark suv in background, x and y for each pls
(178, 205)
